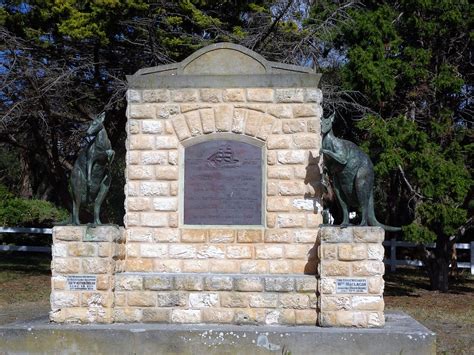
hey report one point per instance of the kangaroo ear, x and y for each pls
(101, 117)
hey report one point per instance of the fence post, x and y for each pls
(472, 258)
(393, 255)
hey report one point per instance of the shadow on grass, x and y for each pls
(408, 282)
(25, 263)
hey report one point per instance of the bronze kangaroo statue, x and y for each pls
(353, 176)
(91, 176)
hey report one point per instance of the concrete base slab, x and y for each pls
(401, 335)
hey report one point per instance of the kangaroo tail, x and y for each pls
(373, 220)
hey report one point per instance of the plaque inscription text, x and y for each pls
(351, 286)
(223, 183)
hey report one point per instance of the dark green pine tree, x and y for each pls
(411, 59)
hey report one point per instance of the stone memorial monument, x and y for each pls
(222, 206)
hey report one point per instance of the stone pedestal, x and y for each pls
(350, 280)
(85, 260)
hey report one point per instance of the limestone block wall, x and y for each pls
(82, 251)
(160, 121)
(351, 256)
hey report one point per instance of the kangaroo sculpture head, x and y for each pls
(96, 125)
(326, 123)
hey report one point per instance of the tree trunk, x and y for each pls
(437, 264)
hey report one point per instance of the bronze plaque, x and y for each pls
(223, 183)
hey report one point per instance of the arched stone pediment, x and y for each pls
(223, 119)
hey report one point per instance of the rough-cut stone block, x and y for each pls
(367, 303)
(249, 236)
(189, 283)
(165, 204)
(166, 172)
(82, 249)
(253, 266)
(277, 236)
(69, 233)
(157, 95)
(184, 95)
(171, 299)
(207, 120)
(181, 127)
(233, 95)
(217, 315)
(291, 156)
(128, 282)
(307, 284)
(224, 266)
(221, 236)
(266, 126)
(144, 111)
(263, 300)
(141, 299)
(335, 268)
(218, 283)
(133, 95)
(137, 265)
(186, 316)
(203, 300)
(368, 234)
(239, 252)
(210, 252)
(182, 251)
(193, 119)
(268, 251)
(352, 252)
(154, 219)
(238, 121)
(305, 316)
(166, 111)
(278, 204)
(155, 188)
(375, 251)
(166, 235)
(280, 111)
(252, 124)
(279, 284)
(306, 110)
(193, 235)
(279, 266)
(336, 235)
(64, 299)
(306, 141)
(154, 158)
(154, 250)
(161, 265)
(294, 126)
(156, 315)
(96, 266)
(260, 95)
(336, 303)
(368, 268)
(66, 266)
(279, 142)
(298, 251)
(376, 285)
(290, 220)
(223, 118)
(327, 285)
(305, 236)
(289, 95)
(195, 265)
(249, 316)
(291, 188)
(234, 299)
(139, 172)
(137, 204)
(248, 284)
(211, 95)
(295, 301)
(166, 142)
(313, 95)
(133, 126)
(127, 315)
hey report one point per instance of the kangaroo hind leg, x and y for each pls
(104, 187)
(363, 186)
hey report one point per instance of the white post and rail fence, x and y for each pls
(391, 261)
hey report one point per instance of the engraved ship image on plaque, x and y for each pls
(223, 158)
